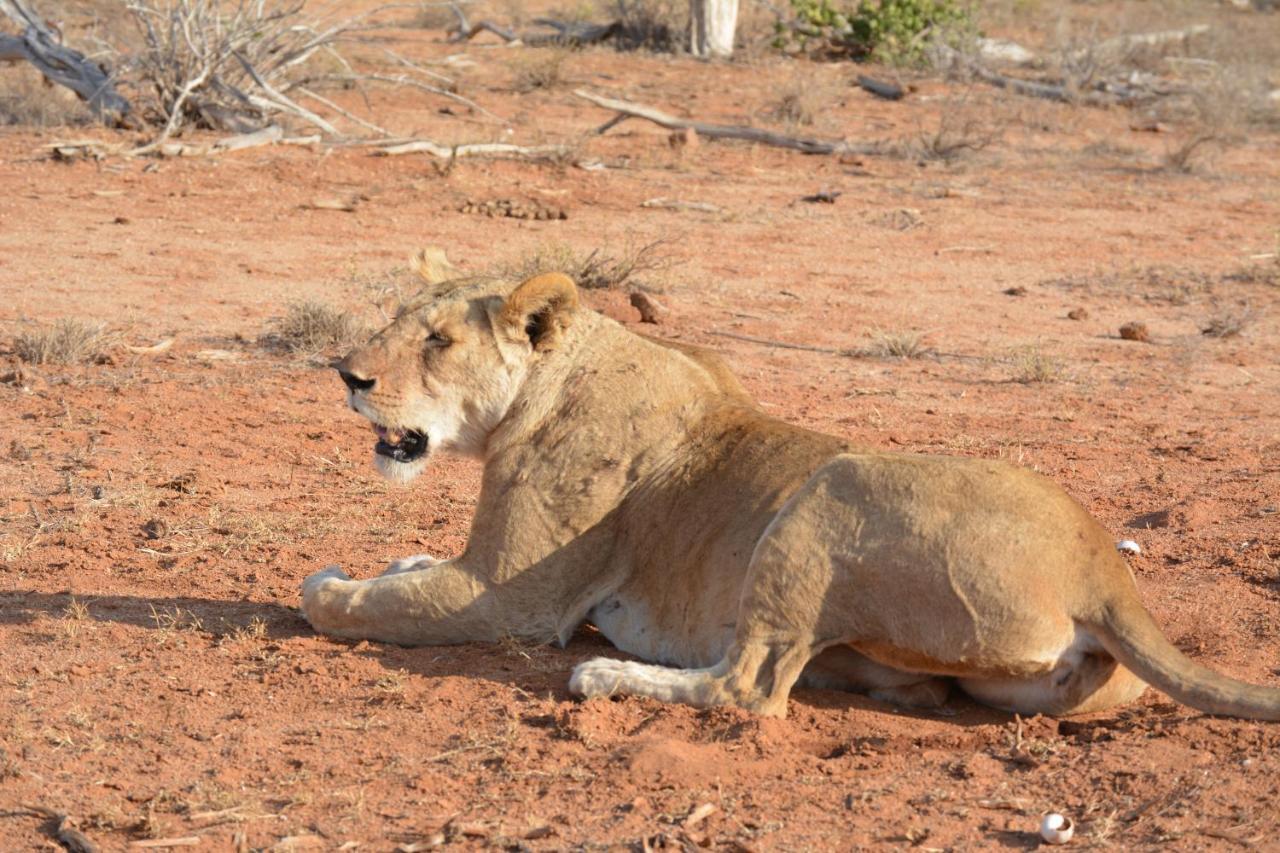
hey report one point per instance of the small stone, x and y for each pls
(1078, 314)
(1135, 331)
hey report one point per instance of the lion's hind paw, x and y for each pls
(599, 677)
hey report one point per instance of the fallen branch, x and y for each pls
(564, 33)
(478, 149)
(1123, 45)
(60, 64)
(627, 109)
(881, 88)
(63, 828)
(1102, 93)
(664, 203)
(467, 33)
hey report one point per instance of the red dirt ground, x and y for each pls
(158, 512)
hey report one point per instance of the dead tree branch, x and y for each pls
(479, 149)
(60, 64)
(627, 109)
(562, 32)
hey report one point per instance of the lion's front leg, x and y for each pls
(414, 563)
(436, 605)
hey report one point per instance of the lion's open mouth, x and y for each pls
(400, 445)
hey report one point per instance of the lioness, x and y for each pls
(632, 483)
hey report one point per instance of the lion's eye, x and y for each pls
(435, 339)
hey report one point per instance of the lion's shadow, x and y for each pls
(537, 669)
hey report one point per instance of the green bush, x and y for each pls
(896, 32)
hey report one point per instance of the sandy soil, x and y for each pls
(158, 512)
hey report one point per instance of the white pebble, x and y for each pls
(1056, 829)
(1128, 546)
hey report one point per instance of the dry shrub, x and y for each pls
(27, 100)
(1228, 321)
(539, 69)
(1152, 283)
(230, 65)
(597, 268)
(801, 99)
(1256, 273)
(656, 25)
(434, 16)
(899, 345)
(962, 127)
(313, 327)
(1213, 115)
(66, 341)
(1031, 366)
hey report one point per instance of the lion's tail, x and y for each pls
(1131, 635)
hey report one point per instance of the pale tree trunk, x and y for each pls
(711, 27)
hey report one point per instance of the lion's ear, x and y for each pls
(433, 266)
(541, 308)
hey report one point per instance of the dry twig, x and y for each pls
(627, 109)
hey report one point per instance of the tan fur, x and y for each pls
(631, 483)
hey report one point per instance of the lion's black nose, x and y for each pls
(355, 383)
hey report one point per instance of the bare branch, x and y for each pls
(725, 131)
(60, 64)
(480, 149)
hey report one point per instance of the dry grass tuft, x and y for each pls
(314, 327)
(433, 16)
(801, 99)
(1258, 273)
(597, 269)
(1229, 322)
(1032, 366)
(66, 341)
(899, 345)
(962, 127)
(656, 25)
(26, 100)
(539, 69)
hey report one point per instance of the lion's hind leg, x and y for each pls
(754, 675)
(1078, 684)
(842, 668)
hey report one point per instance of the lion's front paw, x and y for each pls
(597, 677)
(315, 589)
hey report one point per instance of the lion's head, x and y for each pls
(444, 373)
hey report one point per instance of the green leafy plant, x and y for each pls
(896, 32)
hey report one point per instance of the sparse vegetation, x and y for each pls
(228, 66)
(899, 345)
(1032, 366)
(434, 16)
(27, 100)
(539, 69)
(313, 327)
(65, 341)
(895, 32)
(655, 25)
(597, 268)
(801, 99)
(1228, 322)
(961, 128)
